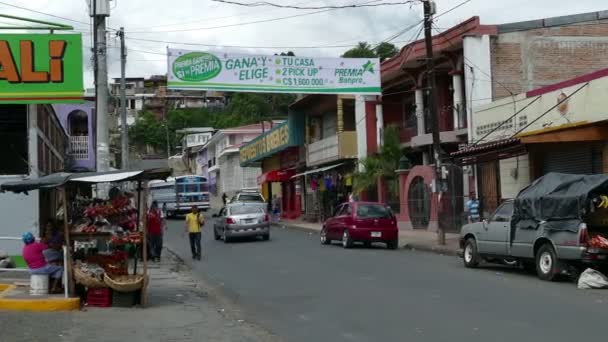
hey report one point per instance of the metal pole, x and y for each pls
(123, 103)
(101, 107)
(429, 9)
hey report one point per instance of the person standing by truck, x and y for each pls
(472, 208)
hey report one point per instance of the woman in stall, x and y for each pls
(33, 254)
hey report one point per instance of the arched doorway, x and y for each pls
(78, 127)
(419, 203)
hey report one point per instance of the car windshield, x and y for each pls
(373, 211)
(242, 210)
(250, 198)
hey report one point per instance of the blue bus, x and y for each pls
(191, 190)
(177, 195)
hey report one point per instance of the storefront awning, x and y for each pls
(276, 176)
(495, 150)
(317, 170)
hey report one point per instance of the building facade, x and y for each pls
(36, 145)
(78, 120)
(475, 65)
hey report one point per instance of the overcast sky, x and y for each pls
(198, 21)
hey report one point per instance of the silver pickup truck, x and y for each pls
(547, 227)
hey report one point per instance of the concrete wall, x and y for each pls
(361, 127)
(529, 59)
(514, 176)
(478, 88)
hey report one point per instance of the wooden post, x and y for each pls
(340, 115)
(66, 232)
(144, 241)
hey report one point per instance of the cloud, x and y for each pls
(340, 27)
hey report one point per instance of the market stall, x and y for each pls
(105, 236)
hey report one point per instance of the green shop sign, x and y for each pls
(41, 68)
(287, 134)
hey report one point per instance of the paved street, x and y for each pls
(303, 291)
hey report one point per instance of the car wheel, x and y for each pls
(216, 235)
(347, 242)
(470, 256)
(323, 237)
(392, 244)
(266, 237)
(225, 237)
(546, 263)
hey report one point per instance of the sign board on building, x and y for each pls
(227, 71)
(197, 139)
(41, 68)
(287, 134)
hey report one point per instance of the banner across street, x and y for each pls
(226, 71)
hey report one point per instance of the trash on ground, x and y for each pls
(592, 279)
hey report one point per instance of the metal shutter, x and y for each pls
(576, 159)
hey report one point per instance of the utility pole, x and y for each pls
(99, 10)
(429, 10)
(124, 129)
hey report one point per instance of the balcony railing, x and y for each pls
(340, 146)
(79, 147)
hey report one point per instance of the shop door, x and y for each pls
(575, 159)
(488, 184)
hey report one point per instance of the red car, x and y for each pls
(365, 222)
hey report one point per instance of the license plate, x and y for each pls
(376, 234)
(248, 221)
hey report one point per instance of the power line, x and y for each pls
(211, 18)
(43, 13)
(248, 22)
(266, 3)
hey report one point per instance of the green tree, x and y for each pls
(362, 50)
(381, 165)
(148, 131)
(386, 50)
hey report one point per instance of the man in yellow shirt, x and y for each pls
(194, 222)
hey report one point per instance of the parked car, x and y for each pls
(241, 220)
(250, 197)
(546, 228)
(365, 222)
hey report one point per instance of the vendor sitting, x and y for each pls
(34, 257)
(54, 240)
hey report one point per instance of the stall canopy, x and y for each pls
(558, 200)
(59, 179)
(321, 169)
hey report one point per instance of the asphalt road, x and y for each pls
(303, 291)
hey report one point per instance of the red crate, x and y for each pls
(101, 297)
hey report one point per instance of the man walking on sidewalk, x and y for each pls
(194, 222)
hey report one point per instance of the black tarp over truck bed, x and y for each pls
(561, 200)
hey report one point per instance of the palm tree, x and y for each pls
(381, 165)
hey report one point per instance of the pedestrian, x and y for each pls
(224, 199)
(276, 208)
(194, 222)
(155, 231)
(472, 208)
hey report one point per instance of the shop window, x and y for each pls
(13, 139)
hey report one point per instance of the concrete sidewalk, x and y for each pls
(410, 239)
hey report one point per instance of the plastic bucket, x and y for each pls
(39, 284)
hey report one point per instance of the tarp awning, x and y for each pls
(317, 170)
(59, 179)
(560, 200)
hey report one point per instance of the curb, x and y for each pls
(411, 246)
(289, 226)
(431, 249)
(36, 305)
